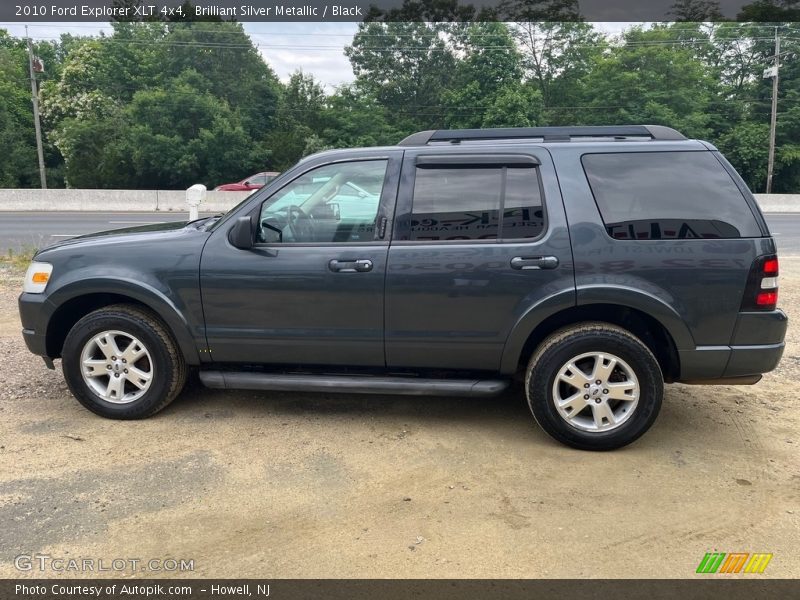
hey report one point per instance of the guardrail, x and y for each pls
(175, 201)
(112, 200)
(772, 203)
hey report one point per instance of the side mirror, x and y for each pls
(241, 234)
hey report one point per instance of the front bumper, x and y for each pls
(32, 313)
(36, 343)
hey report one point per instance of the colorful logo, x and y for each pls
(734, 562)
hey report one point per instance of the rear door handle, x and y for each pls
(525, 263)
(361, 265)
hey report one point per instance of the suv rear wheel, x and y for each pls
(121, 362)
(594, 386)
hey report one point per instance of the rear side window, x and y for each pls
(476, 203)
(667, 195)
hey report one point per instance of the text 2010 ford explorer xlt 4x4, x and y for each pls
(598, 261)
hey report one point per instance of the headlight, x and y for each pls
(37, 277)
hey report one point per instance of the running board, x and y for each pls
(352, 384)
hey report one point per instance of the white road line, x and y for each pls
(65, 234)
(138, 222)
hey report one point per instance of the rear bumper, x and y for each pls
(753, 360)
(756, 348)
(757, 343)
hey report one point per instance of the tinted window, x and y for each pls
(463, 203)
(668, 195)
(523, 216)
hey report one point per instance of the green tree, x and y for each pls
(231, 64)
(746, 146)
(406, 66)
(19, 166)
(169, 87)
(488, 67)
(164, 138)
(556, 58)
(355, 118)
(650, 78)
(300, 115)
(696, 11)
(770, 11)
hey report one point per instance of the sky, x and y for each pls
(316, 48)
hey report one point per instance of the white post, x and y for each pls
(194, 196)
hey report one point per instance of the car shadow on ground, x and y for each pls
(507, 415)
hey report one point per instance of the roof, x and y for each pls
(599, 138)
(545, 134)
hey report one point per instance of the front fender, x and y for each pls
(139, 291)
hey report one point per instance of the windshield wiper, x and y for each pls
(204, 220)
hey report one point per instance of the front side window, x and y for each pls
(475, 203)
(667, 195)
(335, 203)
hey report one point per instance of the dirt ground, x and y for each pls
(298, 485)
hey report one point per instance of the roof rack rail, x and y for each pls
(548, 134)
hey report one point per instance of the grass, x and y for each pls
(19, 259)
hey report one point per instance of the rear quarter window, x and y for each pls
(667, 195)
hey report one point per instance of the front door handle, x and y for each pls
(525, 263)
(361, 265)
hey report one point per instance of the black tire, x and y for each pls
(568, 343)
(168, 366)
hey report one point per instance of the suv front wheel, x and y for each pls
(121, 362)
(594, 386)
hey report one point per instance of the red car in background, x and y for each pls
(253, 182)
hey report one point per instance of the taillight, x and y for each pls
(762, 284)
(771, 266)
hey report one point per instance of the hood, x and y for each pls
(139, 233)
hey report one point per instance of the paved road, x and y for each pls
(786, 229)
(27, 230)
(21, 230)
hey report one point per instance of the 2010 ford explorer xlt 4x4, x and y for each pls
(600, 262)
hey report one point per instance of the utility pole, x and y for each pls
(37, 126)
(774, 117)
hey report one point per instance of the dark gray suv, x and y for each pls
(598, 262)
